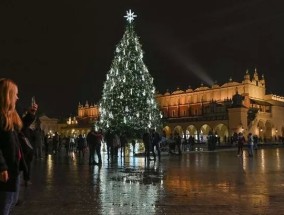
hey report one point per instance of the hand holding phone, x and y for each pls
(33, 100)
(34, 106)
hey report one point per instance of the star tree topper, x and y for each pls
(130, 16)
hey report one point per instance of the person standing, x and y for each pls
(99, 139)
(46, 144)
(255, 142)
(172, 144)
(191, 143)
(11, 155)
(94, 139)
(71, 147)
(133, 143)
(55, 143)
(38, 139)
(123, 144)
(177, 139)
(241, 141)
(115, 144)
(109, 144)
(91, 141)
(156, 138)
(147, 144)
(250, 145)
(81, 145)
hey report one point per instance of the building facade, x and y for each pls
(224, 110)
(82, 123)
(49, 125)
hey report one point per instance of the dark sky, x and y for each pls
(60, 50)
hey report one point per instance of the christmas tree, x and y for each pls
(128, 102)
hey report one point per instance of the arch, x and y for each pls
(203, 134)
(222, 131)
(179, 130)
(167, 131)
(191, 130)
(204, 129)
(268, 131)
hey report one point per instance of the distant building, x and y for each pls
(48, 125)
(220, 109)
(224, 109)
(80, 124)
(89, 113)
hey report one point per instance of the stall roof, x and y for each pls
(260, 102)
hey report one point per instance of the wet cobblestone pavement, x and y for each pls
(196, 183)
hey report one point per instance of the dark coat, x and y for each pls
(147, 139)
(9, 154)
(94, 139)
(91, 139)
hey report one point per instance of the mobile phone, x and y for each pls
(33, 100)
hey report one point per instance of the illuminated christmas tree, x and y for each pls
(128, 102)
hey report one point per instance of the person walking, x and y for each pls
(11, 155)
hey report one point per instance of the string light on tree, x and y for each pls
(128, 102)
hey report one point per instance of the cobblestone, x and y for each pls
(196, 183)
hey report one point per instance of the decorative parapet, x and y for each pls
(275, 97)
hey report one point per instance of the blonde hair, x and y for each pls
(9, 116)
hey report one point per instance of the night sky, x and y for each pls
(61, 50)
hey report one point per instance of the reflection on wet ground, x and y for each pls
(195, 183)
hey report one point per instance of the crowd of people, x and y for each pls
(22, 140)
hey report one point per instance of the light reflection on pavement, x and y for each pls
(196, 183)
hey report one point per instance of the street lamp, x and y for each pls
(260, 132)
